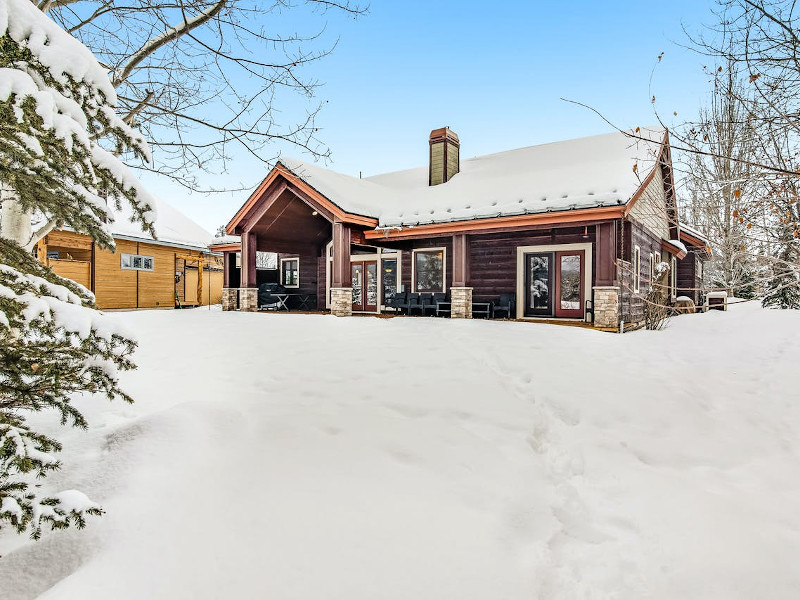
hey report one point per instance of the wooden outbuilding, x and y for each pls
(175, 270)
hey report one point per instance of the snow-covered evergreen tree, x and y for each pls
(783, 288)
(59, 141)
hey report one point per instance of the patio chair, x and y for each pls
(396, 301)
(426, 301)
(481, 309)
(506, 305)
(443, 305)
(414, 303)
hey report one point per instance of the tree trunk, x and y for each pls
(15, 221)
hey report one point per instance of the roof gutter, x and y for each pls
(576, 215)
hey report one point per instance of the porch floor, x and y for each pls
(388, 315)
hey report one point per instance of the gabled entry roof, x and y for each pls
(584, 176)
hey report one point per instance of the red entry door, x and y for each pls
(365, 285)
(569, 284)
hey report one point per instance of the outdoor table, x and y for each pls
(283, 298)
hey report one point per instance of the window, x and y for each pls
(673, 276)
(136, 262)
(290, 272)
(652, 268)
(428, 267)
(266, 260)
(389, 277)
(637, 268)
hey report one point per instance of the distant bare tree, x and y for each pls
(761, 40)
(723, 191)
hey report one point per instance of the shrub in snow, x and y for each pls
(656, 311)
(59, 141)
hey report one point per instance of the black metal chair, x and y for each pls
(506, 305)
(426, 301)
(443, 305)
(414, 303)
(397, 301)
(481, 309)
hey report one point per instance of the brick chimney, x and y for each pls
(444, 156)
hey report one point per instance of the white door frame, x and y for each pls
(587, 276)
(396, 254)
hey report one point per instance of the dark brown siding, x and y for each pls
(633, 304)
(493, 257)
(689, 281)
(321, 282)
(308, 272)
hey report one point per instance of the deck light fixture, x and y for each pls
(314, 213)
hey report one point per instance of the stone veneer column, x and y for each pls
(230, 298)
(461, 303)
(342, 301)
(248, 299)
(606, 306)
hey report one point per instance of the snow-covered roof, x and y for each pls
(582, 173)
(694, 233)
(222, 240)
(171, 225)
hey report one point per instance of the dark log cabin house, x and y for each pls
(573, 228)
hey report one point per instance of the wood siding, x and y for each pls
(113, 286)
(493, 257)
(689, 276)
(79, 271)
(118, 288)
(636, 234)
(321, 281)
(437, 163)
(309, 274)
(650, 210)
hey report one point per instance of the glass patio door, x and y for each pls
(358, 285)
(569, 284)
(365, 285)
(539, 284)
(554, 284)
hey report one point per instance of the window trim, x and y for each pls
(135, 256)
(380, 254)
(673, 276)
(284, 260)
(637, 269)
(414, 269)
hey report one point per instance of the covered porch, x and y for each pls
(311, 237)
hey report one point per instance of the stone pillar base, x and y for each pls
(248, 299)
(606, 306)
(342, 301)
(230, 298)
(461, 303)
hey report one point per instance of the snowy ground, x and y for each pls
(305, 457)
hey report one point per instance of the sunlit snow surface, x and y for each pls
(302, 457)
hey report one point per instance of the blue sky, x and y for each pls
(494, 73)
